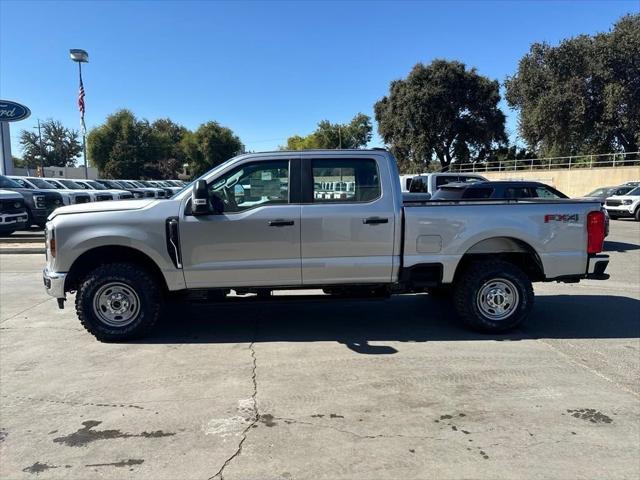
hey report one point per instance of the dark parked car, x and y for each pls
(601, 194)
(39, 203)
(496, 190)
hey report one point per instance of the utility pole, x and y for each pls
(41, 150)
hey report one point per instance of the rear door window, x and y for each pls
(345, 180)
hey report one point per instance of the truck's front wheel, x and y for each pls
(118, 302)
(493, 296)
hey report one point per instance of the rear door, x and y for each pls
(347, 233)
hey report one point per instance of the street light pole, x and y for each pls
(81, 56)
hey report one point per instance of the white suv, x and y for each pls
(627, 205)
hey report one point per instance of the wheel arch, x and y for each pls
(111, 254)
(506, 248)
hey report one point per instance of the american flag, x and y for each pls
(81, 105)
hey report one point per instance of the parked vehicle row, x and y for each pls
(40, 196)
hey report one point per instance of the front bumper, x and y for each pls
(54, 283)
(620, 211)
(13, 221)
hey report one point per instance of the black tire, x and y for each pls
(481, 275)
(132, 277)
(637, 214)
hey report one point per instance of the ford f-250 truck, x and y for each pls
(261, 222)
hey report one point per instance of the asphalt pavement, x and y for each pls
(303, 387)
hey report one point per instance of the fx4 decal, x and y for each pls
(557, 217)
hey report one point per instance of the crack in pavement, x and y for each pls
(26, 310)
(254, 421)
(356, 434)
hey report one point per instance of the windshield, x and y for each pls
(38, 182)
(8, 183)
(72, 185)
(635, 192)
(95, 185)
(600, 192)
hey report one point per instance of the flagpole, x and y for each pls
(84, 132)
(81, 56)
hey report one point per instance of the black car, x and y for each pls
(39, 203)
(496, 190)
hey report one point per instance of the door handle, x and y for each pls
(281, 223)
(374, 220)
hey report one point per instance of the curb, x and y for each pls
(10, 251)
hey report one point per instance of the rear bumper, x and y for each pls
(596, 267)
(54, 283)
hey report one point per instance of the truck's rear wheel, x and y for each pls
(118, 302)
(493, 296)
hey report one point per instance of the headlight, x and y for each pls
(39, 201)
(58, 202)
(627, 202)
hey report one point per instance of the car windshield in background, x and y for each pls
(634, 193)
(73, 185)
(8, 183)
(38, 182)
(600, 192)
(95, 185)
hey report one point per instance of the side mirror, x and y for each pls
(200, 199)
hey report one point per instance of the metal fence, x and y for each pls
(605, 160)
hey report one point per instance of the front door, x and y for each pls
(255, 241)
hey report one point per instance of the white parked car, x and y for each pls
(68, 197)
(431, 182)
(64, 184)
(627, 205)
(95, 186)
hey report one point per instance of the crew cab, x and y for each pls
(262, 222)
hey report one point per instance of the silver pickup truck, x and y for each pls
(283, 220)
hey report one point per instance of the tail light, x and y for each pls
(595, 232)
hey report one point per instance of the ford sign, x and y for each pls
(12, 111)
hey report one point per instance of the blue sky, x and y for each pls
(267, 70)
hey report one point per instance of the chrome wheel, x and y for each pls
(497, 299)
(116, 304)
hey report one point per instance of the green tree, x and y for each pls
(209, 146)
(583, 95)
(441, 110)
(169, 136)
(59, 146)
(122, 146)
(355, 134)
